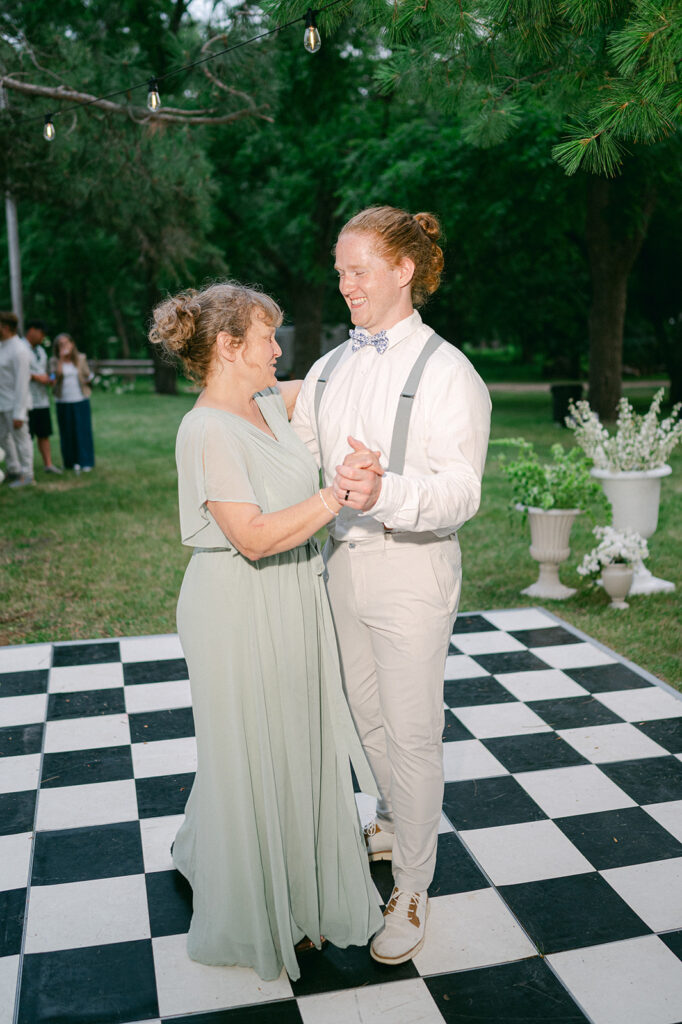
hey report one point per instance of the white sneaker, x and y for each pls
(22, 481)
(379, 843)
(402, 936)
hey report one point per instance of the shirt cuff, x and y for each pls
(385, 505)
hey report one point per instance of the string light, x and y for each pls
(311, 36)
(48, 128)
(153, 98)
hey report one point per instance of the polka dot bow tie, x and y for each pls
(360, 338)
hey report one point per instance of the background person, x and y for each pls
(72, 396)
(15, 377)
(393, 557)
(39, 419)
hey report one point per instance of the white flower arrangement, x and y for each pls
(639, 443)
(624, 546)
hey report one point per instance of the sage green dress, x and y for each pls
(271, 842)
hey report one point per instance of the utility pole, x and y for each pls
(13, 245)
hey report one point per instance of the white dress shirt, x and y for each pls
(440, 487)
(15, 376)
(38, 364)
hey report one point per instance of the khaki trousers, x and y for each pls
(394, 599)
(18, 446)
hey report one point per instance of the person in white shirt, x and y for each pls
(393, 557)
(15, 402)
(39, 419)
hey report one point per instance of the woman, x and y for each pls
(271, 842)
(72, 392)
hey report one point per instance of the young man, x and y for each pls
(39, 419)
(393, 557)
(14, 403)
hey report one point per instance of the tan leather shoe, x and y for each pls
(402, 936)
(379, 843)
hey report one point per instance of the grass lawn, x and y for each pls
(99, 555)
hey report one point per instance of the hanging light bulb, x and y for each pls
(153, 98)
(311, 36)
(48, 128)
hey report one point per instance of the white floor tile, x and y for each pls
(580, 790)
(100, 803)
(616, 742)
(490, 642)
(92, 913)
(580, 655)
(15, 857)
(23, 710)
(157, 836)
(444, 826)
(470, 929)
(643, 705)
(397, 1002)
(76, 678)
(461, 666)
(150, 648)
(84, 733)
(469, 759)
(511, 719)
(157, 696)
(542, 685)
(637, 981)
(668, 814)
(653, 890)
(525, 852)
(367, 807)
(185, 986)
(9, 972)
(524, 618)
(25, 659)
(17, 773)
(164, 757)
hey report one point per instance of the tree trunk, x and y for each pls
(308, 312)
(611, 254)
(165, 376)
(120, 323)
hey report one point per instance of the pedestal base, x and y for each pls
(548, 585)
(644, 582)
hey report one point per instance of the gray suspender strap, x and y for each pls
(321, 384)
(396, 461)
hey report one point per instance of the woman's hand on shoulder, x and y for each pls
(289, 390)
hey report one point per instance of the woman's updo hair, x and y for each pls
(398, 234)
(187, 325)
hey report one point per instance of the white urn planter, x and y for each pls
(550, 530)
(635, 497)
(617, 580)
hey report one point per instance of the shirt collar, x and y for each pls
(404, 328)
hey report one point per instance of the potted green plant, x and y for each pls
(552, 494)
(614, 557)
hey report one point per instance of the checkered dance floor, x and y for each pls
(558, 892)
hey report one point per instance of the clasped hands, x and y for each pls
(357, 483)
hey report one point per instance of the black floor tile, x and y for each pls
(648, 781)
(17, 811)
(454, 730)
(85, 654)
(333, 968)
(465, 693)
(86, 703)
(22, 684)
(570, 912)
(76, 854)
(165, 671)
(455, 869)
(667, 732)
(547, 636)
(80, 767)
(472, 624)
(382, 876)
(614, 839)
(483, 803)
(601, 678)
(166, 794)
(169, 898)
(510, 661)
(533, 752)
(518, 993)
(573, 712)
(161, 725)
(12, 908)
(673, 941)
(284, 1011)
(109, 984)
(16, 740)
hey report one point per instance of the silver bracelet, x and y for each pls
(326, 505)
